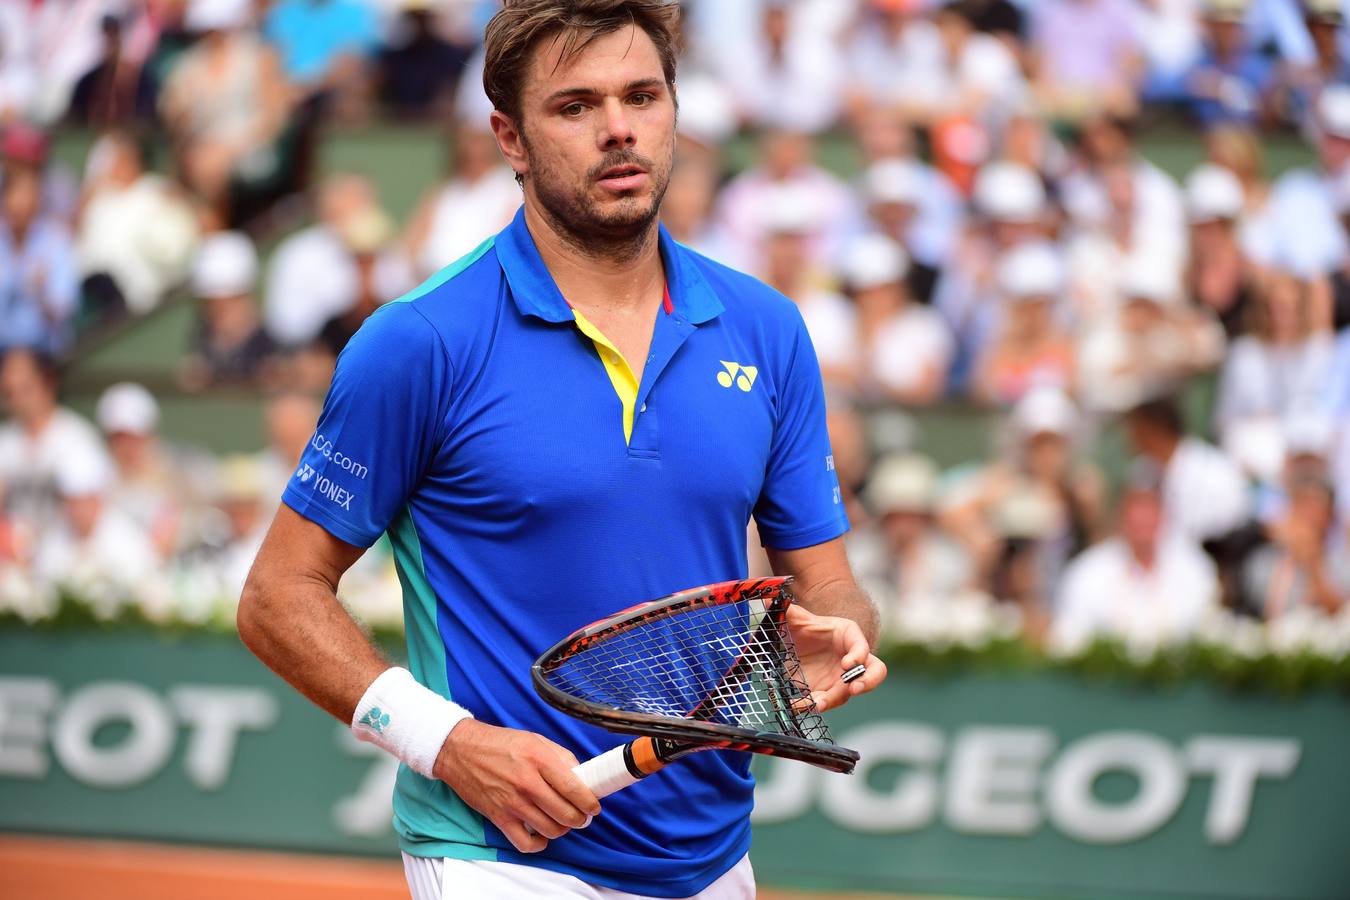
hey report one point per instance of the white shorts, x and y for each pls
(434, 878)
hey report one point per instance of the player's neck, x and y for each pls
(605, 280)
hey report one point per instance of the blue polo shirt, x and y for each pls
(527, 490)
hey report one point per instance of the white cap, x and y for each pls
(217, 15)
(789, 209)
(1009, 192)
(902, 482)
(1147, 278)
(1333, 110)
(83, 475)
(1030, 270)
(128, 408)
(226, 265)
(1045, 410)
(1212, 193)
(897, 181)
(873, 260)
(707, 114)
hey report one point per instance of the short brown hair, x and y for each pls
(521, 24)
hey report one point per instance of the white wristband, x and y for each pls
(406, 718)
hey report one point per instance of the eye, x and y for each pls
(642, 99)
(573, 110)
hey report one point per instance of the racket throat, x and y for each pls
(647, 756)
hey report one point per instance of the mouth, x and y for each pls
(623, 178)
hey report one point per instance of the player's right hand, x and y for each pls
(521, 781)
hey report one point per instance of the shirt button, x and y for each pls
(644, 408)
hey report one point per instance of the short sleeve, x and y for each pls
(381, 425)
(800, 503)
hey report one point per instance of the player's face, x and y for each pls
(598, 133)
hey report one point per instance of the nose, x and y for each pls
(617, 132)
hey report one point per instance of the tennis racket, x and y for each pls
(709, 668)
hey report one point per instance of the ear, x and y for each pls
(510, 141)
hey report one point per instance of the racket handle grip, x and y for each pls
(606, 773)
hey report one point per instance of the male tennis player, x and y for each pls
(578, 416)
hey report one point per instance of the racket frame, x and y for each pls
(688, 734)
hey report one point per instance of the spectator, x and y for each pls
(420, 69)
(786, 158)
(39, 285)
(477, 199)
(1041, 487)
(1239, 151)
(1205, 496)
(325, 48)
(119, 90)
(313, 275)
(1218, 276)
(225, 103)
(789, 225)
(1149, 346)
(1124, 208)
(39, 437)
(905, 348)
(136, 228)
(229, 346)
(908, 558)
(1029, 349)
(1086, 55)
(243, 503)
(1146, 586)
(1009, 208)
(915, 206)
(1299, 568)
(44, 50)
(95, 549)
(788, 76)
(365, 237)
(1304, 236)
(1281, 367)
(161, 488)
(1301, 81)
(26, 150)
(289, 419)
(1231, 80)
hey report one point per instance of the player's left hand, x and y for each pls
(829, 646)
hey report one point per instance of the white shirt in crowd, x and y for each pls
(118, 552)
(313, 277)
(911, 344)
(28, 464)
(741, 204)
(1204, 492)
(142, 236)
(1304, 233)
(464, 213)
(832, 323)
(1105, 592)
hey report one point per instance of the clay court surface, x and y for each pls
(61, 869)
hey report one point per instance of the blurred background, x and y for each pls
(1078, 276)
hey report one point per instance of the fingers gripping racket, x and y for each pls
(713, 667)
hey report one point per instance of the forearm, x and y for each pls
(844, 599)
(299, 630)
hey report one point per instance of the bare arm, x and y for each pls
(835, 625)
(290, 617)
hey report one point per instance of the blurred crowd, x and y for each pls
(999, 240)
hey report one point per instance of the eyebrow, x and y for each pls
(640, 84)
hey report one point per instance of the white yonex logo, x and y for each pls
(735, 373)
(325, 486)
(305, 473)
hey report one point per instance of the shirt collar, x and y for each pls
(536, 293)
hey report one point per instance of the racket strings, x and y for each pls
(725, 663)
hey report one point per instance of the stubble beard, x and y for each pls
(619, 233)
